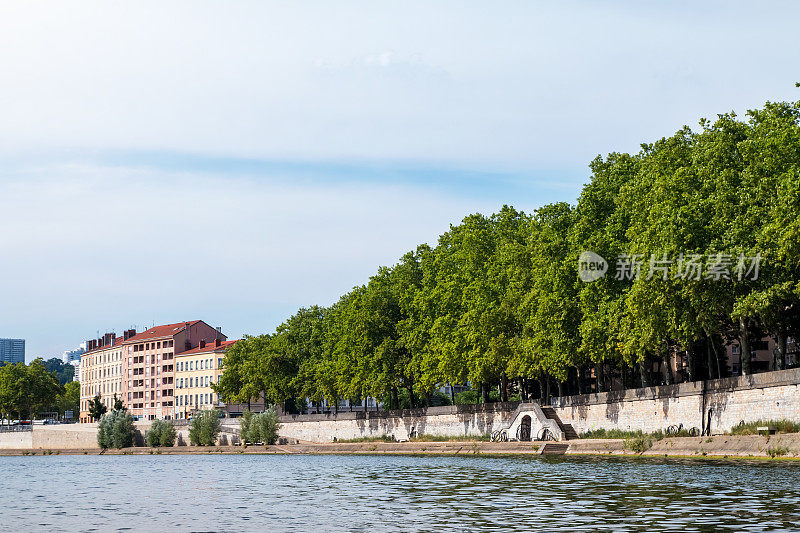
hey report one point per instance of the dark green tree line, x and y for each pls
(498, 302)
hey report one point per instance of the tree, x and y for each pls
(116, 430)
(118, 405)
(161, 433)
(97, 408)
(261, 427)
(204, 428)
(69, 400)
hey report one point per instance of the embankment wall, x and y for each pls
(767, 396)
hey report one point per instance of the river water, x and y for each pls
(380, 493)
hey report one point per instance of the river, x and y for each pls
(394, 493)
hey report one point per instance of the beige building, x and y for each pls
(101, 373)
(195, 371)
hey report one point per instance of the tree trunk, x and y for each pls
(744, 342)
(560, 388)
(452, 395)
(644, 372)
(579, 379)
(690, 361)
(666, 368)
(781, 342)
(503, 387)
(710, 356)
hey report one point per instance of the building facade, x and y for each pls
(149, 366)
(101, 372)
(12, 350)
(196, 370)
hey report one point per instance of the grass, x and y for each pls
(459, 438)
(781, 426)
(639, 443)
(623, 434)
(777, 451)
(382, 438)
(420, 438)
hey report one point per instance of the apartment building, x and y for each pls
(148, 365)
(196, 371)
(101, 371)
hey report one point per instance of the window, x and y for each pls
(219, 363)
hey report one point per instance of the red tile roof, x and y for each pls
(209, 348)
(159, 332)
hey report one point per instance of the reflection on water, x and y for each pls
(379, 493)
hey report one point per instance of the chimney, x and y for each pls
(202, 343)
(217, 342)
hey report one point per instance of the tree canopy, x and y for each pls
(708, 219)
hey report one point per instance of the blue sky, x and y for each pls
(161, 162)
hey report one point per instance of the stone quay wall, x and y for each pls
(447, 421)
(767, 396)
(58, 437)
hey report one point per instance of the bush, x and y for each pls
(468, 397)
(162, 433)
(639, 443)
(204, 428)
(115, 430)
(781, 426)
(438, 398)
(260, 427)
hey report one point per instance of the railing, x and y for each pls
(17, 427)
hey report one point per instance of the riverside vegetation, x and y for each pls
(498, 301)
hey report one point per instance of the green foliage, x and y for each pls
(64, 372)
(69, 399)
(639, 443)
(468, 397)
(204, 428)
(116, 430)
(382, 438)
(260, 428)
(781, 426)
(97, 408)
(161, 433)
(27, 389)
(498, 297)
(460, 438)
(777, 451)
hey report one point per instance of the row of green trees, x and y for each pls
(27, 390)
(498, 300)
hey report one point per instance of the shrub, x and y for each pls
(204, 428)
(781, 426)
(115, 430)
(260, 427)
(467, 397)
(639, 444)
(162, 433)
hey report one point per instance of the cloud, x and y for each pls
(107, 247)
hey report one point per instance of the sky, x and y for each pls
(232, 162)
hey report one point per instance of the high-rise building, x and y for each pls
(12, 350)
(74, 355)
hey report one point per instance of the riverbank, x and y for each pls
(783, 446)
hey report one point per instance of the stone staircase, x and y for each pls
(554, 448)
(566, 429)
